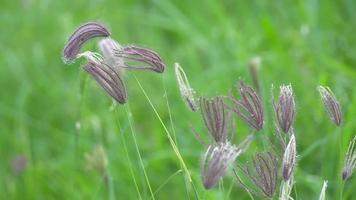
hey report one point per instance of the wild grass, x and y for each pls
(305, 43)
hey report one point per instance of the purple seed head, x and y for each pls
(216, 118)
(331, 104)
(140, 58)
(285, 108)
(108, 79)
(249, 107)
(215, 162)
(264, 173)
(80, 36)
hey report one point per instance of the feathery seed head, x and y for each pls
(331, 104)
(215, 162)
(186, 91)
(80, 36)
(140, 58)
(350, 160)
(216, 118)
(285, 108)
(108, 46)
(264, 174)
(108, 79)
(249, 107)
(289, 158)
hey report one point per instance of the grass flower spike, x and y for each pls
(108, 79)
(216, 118)
(249, 107)
(331, 104)
(108, 46)
(289, 159)
(140, 58)
(350, 160)
(265, 173)
(80, 36)
(186, 91)
(216, 161)
(285, 108)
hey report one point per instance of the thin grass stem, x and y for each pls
(171, 141)
(133, 133)
(127, 155)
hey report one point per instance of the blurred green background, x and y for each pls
(52, 114)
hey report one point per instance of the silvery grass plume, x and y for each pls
(80, 36)
(286, 189)
(285, 108)
(323, 191)
(350, 160)
(140, 58)
(289, 159)
(249, 107)
(216, 118)
(331, 104)
(215, 162)
(105, 76)
(186, 91)
(108, 46)
(264, 174)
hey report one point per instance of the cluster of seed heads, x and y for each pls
(107, 68)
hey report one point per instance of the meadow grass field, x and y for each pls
(57, 125)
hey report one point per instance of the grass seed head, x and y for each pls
(140, 58)
(331, 104)
(285, 108)
(216, 118)
(80, 36)
(249, 107)
(186, 91)
(350, 160)
(289, 159)
(215, 162)
(108, 79)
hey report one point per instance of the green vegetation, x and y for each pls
(53, 114)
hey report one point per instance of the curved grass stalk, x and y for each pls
(129, 114)
(167, 180)
(173, 129)
(171, 141)
(127, 156)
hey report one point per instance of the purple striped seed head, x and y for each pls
(249, 107)
(108, 79)
(331, 104)
(216, 118)
(289, 159)
(140, 58)
(215, 162)
(285, 108)
(264, 173)
(80, 36)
